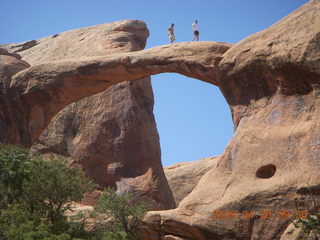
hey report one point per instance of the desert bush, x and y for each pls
(51, 187)
(14, 170)
(120, 214)
(310, 225)
(35, 195)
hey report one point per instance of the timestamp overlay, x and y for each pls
(266, 214)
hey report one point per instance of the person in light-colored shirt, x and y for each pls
(171, 33)
(195, 29)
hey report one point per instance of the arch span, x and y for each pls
(49, 87)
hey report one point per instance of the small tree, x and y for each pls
(18, 224)
(39, 192)
(119, 212)
(35, 195)
(14, 170)
(51, 187)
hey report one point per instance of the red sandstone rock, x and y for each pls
(134, 166)
(270, 80)
(9, 65)
(59, 83)
(183, 177)
(111, 135)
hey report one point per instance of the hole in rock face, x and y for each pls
(266, 171)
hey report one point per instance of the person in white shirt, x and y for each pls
(171, 33)
(195, 29)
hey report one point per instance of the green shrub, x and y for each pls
(18, 224)
(309, 225)
(105, 235)
(35, 195)
(119, 212)
(50, 189)
(14, 170)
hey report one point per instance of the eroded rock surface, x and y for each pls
(130, 154)
(112, 135)
(271, 81)
(59, 83)
(10, 64)
(118, 146)
(183, 177)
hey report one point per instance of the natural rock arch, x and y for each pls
(271, 81)
(35, 95)
(47, 88)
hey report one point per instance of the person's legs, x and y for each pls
(172, 38)
(195, 36)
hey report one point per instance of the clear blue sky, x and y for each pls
(192, 117)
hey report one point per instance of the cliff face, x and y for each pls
(271, 81)
(112, 135)
(10, 64)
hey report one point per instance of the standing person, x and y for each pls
(195, 29)
(171, 33)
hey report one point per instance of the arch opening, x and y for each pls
(193, 118)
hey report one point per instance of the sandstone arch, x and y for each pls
(271, 81)
(59, 83)
(42, 90)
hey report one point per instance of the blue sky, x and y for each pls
(192, 117)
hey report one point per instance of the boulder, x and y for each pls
(293, 233)
(183, 177)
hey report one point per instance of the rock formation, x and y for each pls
(271, 81)
(10, 64)
(49, 87)
(130, 158)
(111, 135)
(183, 177)
(293, 233)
